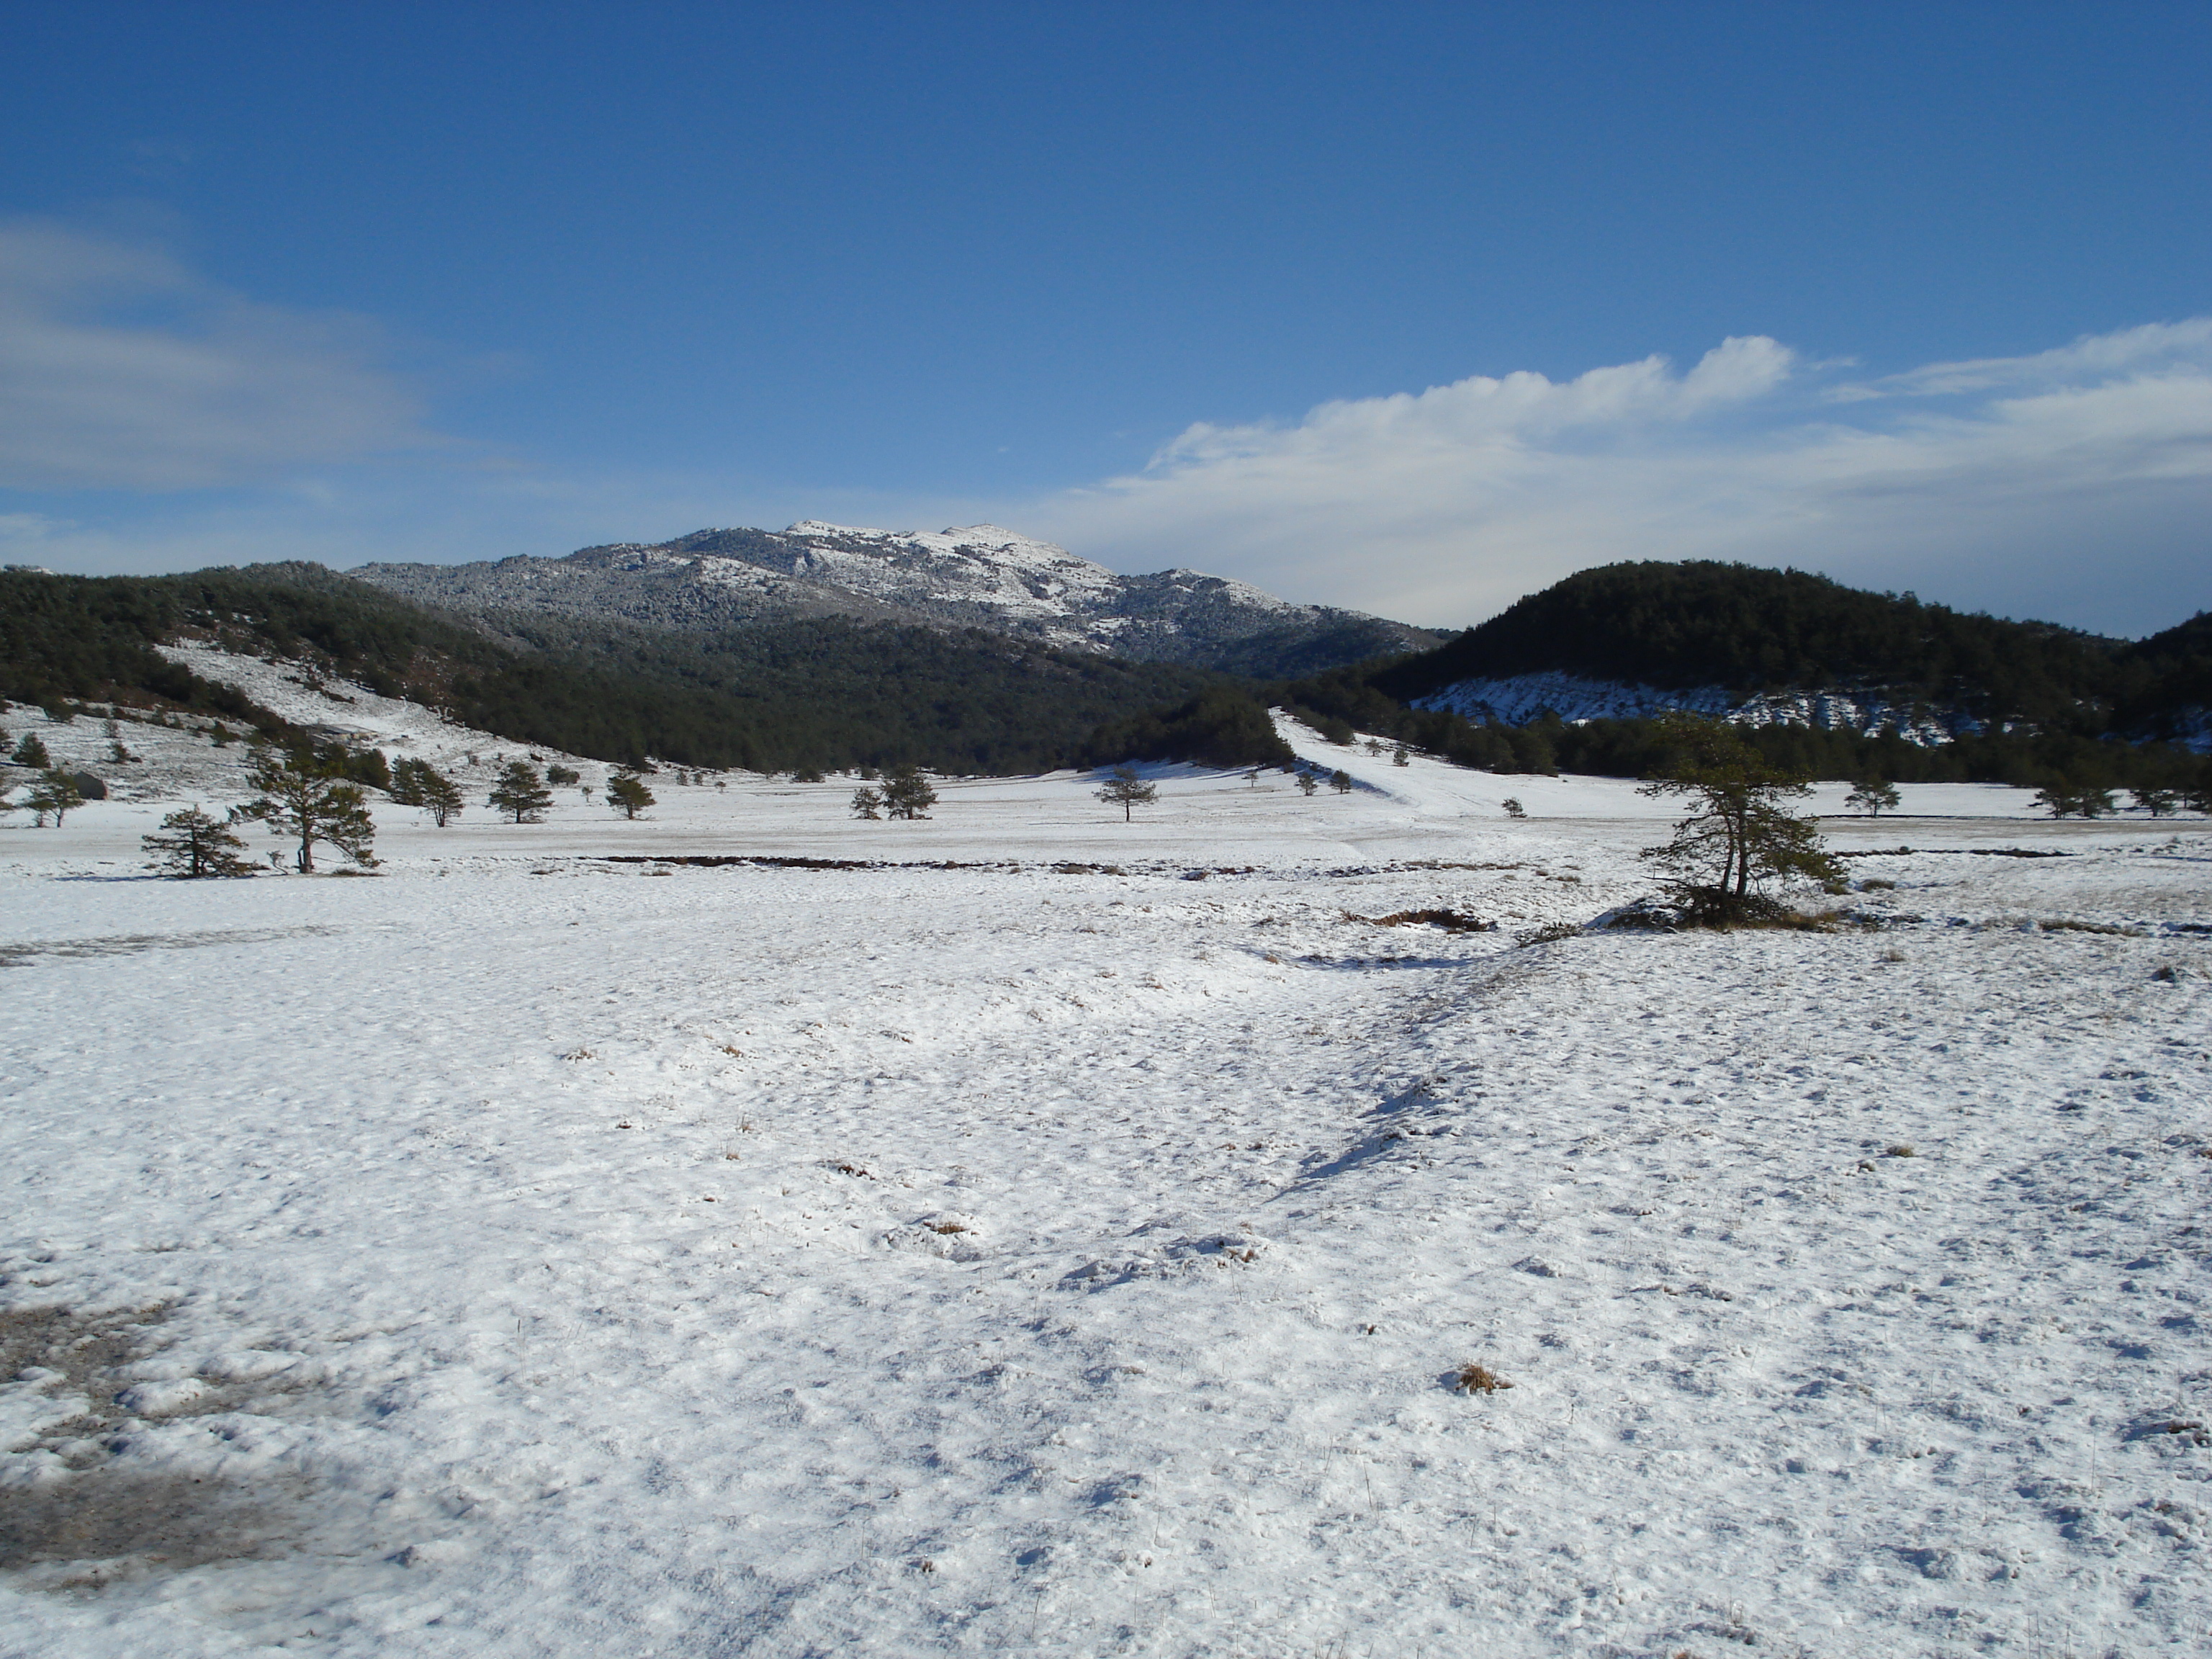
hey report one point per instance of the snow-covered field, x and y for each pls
(520, 1252)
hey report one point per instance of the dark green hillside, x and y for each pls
(1709, 623)
(829, 693)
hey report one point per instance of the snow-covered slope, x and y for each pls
(980, 576)
(1516, 700)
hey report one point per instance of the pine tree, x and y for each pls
(1872, 797)
(1512, 808)
(1126, 789)
(628, 795)
(301, 799)
(2076, 800)
(906, 793)
(55, 796)
(191, 844)
(1739, 834)
(2155, 800)
(32, 753)
(1340, 780)
(867, 803)
(521, 793)
(1306, 784)
(1398, 756)
(561, 776)
(418, 783)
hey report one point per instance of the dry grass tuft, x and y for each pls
(1452, 921)
(1473, 1379)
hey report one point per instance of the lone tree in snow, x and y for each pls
(627, 794)
(906, 793)
(1124, 788)
(1872, 797)
(867, 803)
(1512, 808)
(521, 793)
(303, 800)
(1740, 834)
(32, 753)
(1306, 784)
(1340, 780)
(1398, 756)
(191, 844)
(55, 796)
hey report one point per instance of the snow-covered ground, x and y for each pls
(522, 1252)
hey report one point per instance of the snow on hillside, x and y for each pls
(1019, 1245)
(976, 576)
(1517, 699)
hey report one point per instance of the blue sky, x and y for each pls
(1407, 307)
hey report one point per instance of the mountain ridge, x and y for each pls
(975, 576)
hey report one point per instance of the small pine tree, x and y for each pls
(221, 737)
(808, 774)
(55, 796)
(906, 793)
(1252, 779)
(1306, 784)
(418, 783)
(2064, 800)
(561, 776)
(1340, 780)
(521, 793)
(191, 846)
(301, 799)
(1739, 834)
(1512, 808)
(32, 753)
(1126, 789)
(1399, 757)
(2155, 800)
(628, 795)
(867, 803)
(1872, 797)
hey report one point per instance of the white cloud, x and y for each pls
(2074, 483)
(120, 368)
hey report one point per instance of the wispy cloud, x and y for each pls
(120, 368)
(2075, 482)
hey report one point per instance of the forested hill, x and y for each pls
(825, 692)
(1746, 632)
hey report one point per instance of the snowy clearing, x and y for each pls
(522, 1252)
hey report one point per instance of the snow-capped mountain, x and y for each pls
(976, 576)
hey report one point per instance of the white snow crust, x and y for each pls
(1016, 1245)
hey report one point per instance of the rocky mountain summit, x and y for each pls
(978, 576)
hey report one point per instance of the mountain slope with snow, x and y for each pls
(979, 576)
